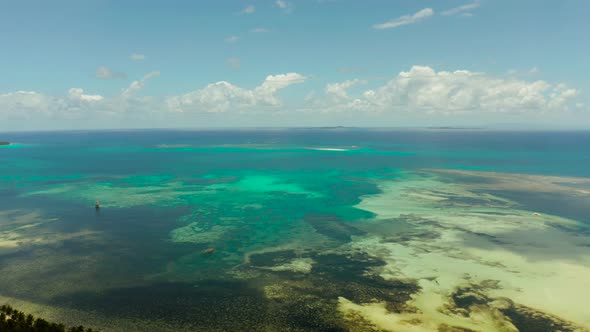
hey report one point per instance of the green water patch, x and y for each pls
(118, 149)
(469, 167)
(16, 145)
(40, 180)
(18, 169)
(257, 211)
(372, 151)
(146, 180)
(32, 181)
(234, 230)
(167, 190)
(193, 233)
(270, 150)
(122, 194)
(233, 212)
(266, 183)
(225, 148)
(208, 179)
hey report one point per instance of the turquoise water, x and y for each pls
(300, 229)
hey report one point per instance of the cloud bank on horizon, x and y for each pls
(417, 94)
(419, 90)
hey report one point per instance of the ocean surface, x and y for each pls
(329, 229)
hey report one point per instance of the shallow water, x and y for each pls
(299, 229)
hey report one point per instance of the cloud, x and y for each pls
(78, 105)
(336, 98)
(75, 104)
(232, 39)
(137, 57)
(259, 30)
(137, 85)
(250, 9)
(273, 83)
(422, 89)
(406, 19)
(461, 9)
(420, 94)
(106, 73)
(77, 94)
(340, 90)
(223, 96)
(42, 111)
(234, 63)
(31, 105)
(25, 104)
(561, 95)
(284, 5)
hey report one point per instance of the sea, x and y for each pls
(301, 229)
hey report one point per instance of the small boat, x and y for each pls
(97, 205)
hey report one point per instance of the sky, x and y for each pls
(290, 63)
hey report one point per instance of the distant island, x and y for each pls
(326, 128)
(455, 128)
(4, 143)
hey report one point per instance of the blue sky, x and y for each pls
(113, 64)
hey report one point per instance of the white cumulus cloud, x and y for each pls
(420, 93)
(76, 106)
(406, 19)
(340, 90)
(32, 105)
(422, 89)
(78, 94)
(25, 104)
(223, 96)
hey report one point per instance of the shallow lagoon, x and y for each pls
(339, 229)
